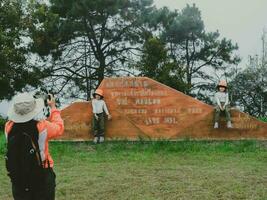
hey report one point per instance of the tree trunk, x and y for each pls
(101, 70)
(188, 73)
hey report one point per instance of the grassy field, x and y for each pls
(156, 170)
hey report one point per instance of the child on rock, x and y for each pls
(222, 104)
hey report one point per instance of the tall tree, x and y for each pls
(15, 71)
(195, 50)
(249, 90)
(156, 64)
(88, 39)
(249, 86)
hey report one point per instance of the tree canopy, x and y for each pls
(70, 46)
(88, 40)
(15, 72)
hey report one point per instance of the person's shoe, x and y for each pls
(102, 139)
(216, 125)
(95, 140)
(229, 124)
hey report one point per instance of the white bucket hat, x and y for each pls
(24, 108)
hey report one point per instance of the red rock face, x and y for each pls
(144, 108)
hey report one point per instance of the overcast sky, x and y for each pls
(242, 21)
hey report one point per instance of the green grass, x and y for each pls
(157, 170)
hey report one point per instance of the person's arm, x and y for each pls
(54, 124)
(8, 127)
(94, 109)
(106, 110)
(93, 106)
(227, 100)
(218, 101)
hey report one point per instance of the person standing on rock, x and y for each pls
(222, 104)
(98, 120)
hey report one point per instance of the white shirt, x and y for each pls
(99, 106)
(221, 97)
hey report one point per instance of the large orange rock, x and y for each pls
(144, 108)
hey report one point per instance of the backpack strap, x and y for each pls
(37, 151)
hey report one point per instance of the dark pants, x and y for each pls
(98, 125)
(218, 111)
(45, 192)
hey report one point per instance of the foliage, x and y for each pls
(2, 123)
(156, 64)
(195, 50)
(87, 40)
(73, 45)
(264, 119)
(183, 53)
(249, 90)
(15, 71)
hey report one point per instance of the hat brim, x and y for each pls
(222, 86)
(25, 118)
(98, 94)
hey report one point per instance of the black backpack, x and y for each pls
(23, 160)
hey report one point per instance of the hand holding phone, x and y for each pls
(51, 101)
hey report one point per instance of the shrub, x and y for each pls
(2, 123)
(264, 119)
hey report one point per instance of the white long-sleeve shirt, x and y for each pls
(221, 97)
(99, 106)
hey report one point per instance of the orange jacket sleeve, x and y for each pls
(54, 125)
(8, 127)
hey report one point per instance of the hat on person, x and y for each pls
(222, 83)
(99, 92)
(24, 108)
